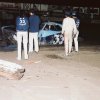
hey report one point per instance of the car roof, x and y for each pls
(51, 23)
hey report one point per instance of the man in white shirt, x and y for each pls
(69, 30)
(77, 22)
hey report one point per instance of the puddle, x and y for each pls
(54, 57)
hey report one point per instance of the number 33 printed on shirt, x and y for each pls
(22, 21)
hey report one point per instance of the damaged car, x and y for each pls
(9, 34)
(50, 33)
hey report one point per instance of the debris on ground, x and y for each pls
(11, 70)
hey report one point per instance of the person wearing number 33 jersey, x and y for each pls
(22, 26)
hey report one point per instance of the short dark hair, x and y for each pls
(32, 11)
(68, 13)
(74, 13)
(22, 13)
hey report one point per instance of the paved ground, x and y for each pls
(52, 76)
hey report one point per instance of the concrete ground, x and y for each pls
(52, 76)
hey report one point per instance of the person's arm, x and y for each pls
(16, 23)
(63, 27)
(74, 29)
(39, 20)
(77, 23)
(28, 23)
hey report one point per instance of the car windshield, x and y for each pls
(58, 28)
(55, 27)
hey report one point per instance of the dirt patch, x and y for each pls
(54, 57)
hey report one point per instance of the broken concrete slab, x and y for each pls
(11, 70)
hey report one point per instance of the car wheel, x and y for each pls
(61, 39)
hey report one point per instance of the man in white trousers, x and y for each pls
(69, 31)
(22, 26)
(76, 41)
(77, 22)
(34, 22)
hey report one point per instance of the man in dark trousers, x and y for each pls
(34, 21)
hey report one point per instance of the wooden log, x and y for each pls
(11, 70)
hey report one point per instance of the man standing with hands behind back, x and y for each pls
(34, 22)
(69, 31)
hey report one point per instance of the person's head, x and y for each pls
(22, 14)
(74, 14)
(67, 14)
(32, 12)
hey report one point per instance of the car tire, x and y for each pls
(61, 39)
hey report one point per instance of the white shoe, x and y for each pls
(18, 58)
(30, 50)
(66, 54)
(26, 57)
(76, 50)
(36, 51)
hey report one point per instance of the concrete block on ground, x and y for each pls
(11, 70)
